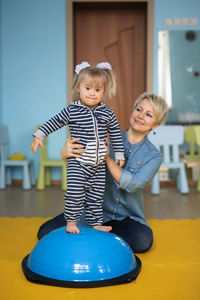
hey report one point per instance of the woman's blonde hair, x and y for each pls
(159, 105)
(97, 75)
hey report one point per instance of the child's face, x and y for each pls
(143, 118)
(91, 92)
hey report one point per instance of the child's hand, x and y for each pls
(35, 143)
(120, 163)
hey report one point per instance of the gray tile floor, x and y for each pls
(170, 204)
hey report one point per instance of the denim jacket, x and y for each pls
(125, 199)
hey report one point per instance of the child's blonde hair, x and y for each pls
(96, 75)
(159, 105)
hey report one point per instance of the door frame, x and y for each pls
(70, 44)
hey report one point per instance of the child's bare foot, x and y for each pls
(72, 227)
(102, 228)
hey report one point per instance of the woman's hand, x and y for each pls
(71, 149)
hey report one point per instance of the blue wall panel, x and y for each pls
(34, 69)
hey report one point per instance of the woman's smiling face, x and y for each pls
(143, 118)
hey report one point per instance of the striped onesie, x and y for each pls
(86, 175)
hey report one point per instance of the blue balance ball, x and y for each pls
(86, 259)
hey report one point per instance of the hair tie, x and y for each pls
(85, 64)
(104, 65)
(81, 66)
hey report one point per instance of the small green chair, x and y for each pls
(190, 138)
(197, 135)
(44, 175)
(192, 159)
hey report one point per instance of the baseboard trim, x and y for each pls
(18, 182)
(171, 183)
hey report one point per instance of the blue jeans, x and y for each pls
(137, 235)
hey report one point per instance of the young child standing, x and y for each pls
(90, 120)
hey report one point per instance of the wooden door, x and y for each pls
(115, 33)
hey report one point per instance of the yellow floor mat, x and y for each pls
(170, 270)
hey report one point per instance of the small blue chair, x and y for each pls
(6, 164)
(167, 139)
